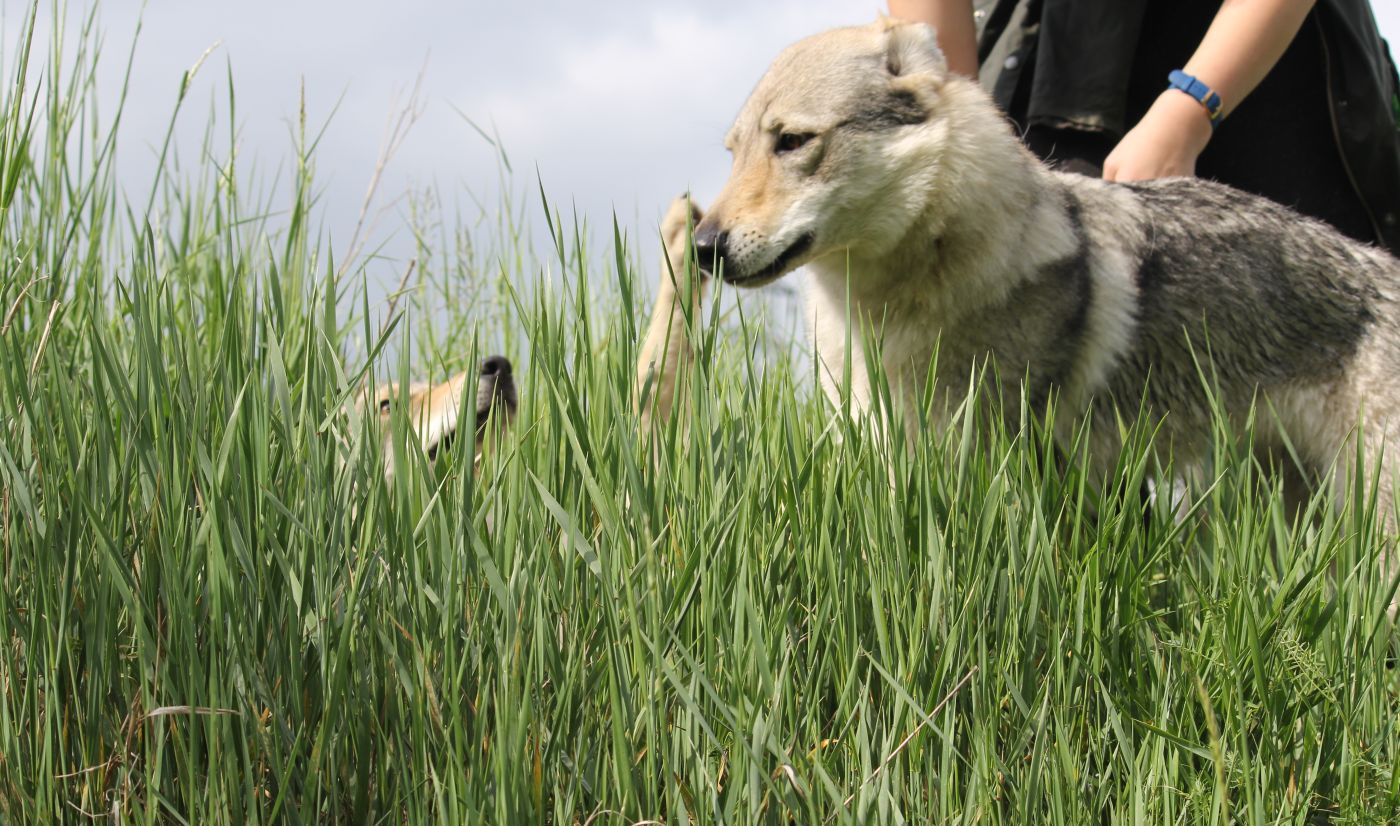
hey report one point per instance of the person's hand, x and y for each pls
(1164, 144)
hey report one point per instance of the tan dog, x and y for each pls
(434, 409)
(666, 350)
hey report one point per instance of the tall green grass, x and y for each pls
(215, 610)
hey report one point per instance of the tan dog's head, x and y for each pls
(433, 408)
(833, 150)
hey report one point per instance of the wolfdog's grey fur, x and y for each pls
(921, 217)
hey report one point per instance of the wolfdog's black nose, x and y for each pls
(710, 244)
(496, 366)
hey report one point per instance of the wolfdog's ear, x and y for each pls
(912, 48)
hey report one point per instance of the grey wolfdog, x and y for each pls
(922, 218)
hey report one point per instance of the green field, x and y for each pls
(215, 610)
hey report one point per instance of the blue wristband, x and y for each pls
(1203, 94)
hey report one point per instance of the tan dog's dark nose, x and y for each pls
(496, 366)
(495, 392)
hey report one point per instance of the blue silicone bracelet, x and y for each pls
(1203, 94)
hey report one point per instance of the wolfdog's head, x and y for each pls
(836, 150)
(433, 408)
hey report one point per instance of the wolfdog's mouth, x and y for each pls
(777, 267)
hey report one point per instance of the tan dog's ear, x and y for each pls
(912, 49)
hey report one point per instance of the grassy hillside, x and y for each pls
(213, 609)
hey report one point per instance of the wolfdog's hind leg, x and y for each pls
(1380, 441)
(1297, 483)
(1387, 467)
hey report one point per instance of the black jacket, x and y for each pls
(1365, 97)
(1077, 86)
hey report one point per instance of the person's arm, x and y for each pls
(667, 347)
(952, 20)
(1244, 41)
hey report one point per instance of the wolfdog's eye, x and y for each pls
(789, 141)
(384, 406)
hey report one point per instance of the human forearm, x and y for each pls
(1244, 41)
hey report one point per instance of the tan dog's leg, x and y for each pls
(666, 349)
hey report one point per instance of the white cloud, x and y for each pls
(630, 120)
(1388, 19)
(618, 105)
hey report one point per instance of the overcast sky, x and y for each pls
(619, 106)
